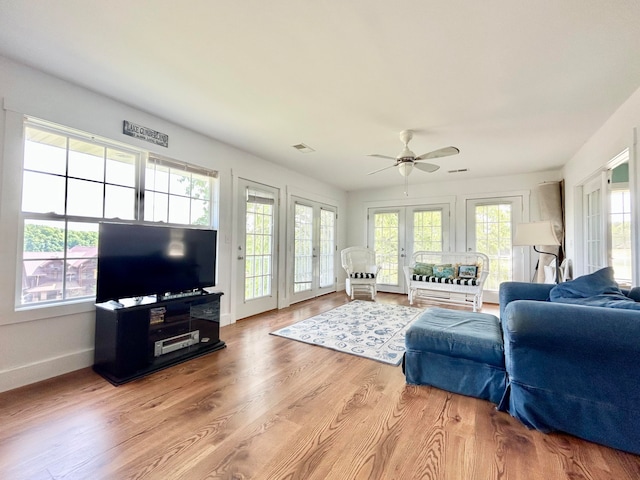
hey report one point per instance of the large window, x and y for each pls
(71, 182)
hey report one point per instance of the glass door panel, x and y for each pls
(259, 241)
(490, 228)
(327, 248)
(493, 237)
(427, 231)
(303, 248)
(386, 243)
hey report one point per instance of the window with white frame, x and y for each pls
(607, 220)
(620, 224)
(71, 182)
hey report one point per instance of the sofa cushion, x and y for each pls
(598, 289)
(446, 280)
(458, 333)
(362, 275)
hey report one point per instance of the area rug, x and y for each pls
(366, 329)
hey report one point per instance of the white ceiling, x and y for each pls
(517, 85)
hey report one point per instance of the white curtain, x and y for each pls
(551, 205)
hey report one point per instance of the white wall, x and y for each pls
(453, 191)
(615, 135)
(44, 342)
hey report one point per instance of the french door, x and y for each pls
(607, 212)
(396, 233)
(314, 249)
(490, 228)
(257, 253)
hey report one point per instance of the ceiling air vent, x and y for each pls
(460, 170)
(301, 147)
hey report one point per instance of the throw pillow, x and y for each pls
(443, 271)
(467, 270)
(634, 294)
(423, 269)
(596, 283)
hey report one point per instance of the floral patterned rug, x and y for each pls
(366, 329)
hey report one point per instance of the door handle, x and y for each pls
(240, 257)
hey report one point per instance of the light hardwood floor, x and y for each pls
(271, 408)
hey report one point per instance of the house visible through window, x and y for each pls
(71, 182)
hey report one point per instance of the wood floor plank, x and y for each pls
(272, 408)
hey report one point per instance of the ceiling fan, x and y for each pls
(407, 160)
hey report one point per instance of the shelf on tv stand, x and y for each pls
(127, 336)
(173, 296)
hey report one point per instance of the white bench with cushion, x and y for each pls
(447, 277)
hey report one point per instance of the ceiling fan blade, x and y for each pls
(381, 169)
(381, 156)
(441, 152)
(426, 167)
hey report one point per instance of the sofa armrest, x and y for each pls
(510, 291)
(587, 351)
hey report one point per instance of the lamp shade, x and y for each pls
(535, 233)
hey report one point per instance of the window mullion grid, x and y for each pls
(65, 250)
(104, 181)
(169, 170)
(141, 178)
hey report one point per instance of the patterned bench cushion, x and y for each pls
(362, 275)
(452, 281)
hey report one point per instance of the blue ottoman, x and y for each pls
(458, 351)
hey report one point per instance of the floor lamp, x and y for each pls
(537, 233)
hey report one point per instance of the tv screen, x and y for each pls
(141, 260)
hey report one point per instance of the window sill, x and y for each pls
(29, 313)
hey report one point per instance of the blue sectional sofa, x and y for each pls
(572, 354)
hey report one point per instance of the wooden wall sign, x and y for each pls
(144, 133)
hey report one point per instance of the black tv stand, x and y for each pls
(135, 337)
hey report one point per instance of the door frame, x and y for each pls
(316, 290)
(523, 257)
(237, 274)
(293, 194)
(448, 201)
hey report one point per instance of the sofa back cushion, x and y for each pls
(598, 289)
(596, 283)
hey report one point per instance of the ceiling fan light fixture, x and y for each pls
(405, 168)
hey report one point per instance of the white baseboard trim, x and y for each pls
(42, 370)
(225, 320)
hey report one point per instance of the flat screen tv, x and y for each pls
(142, 260)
